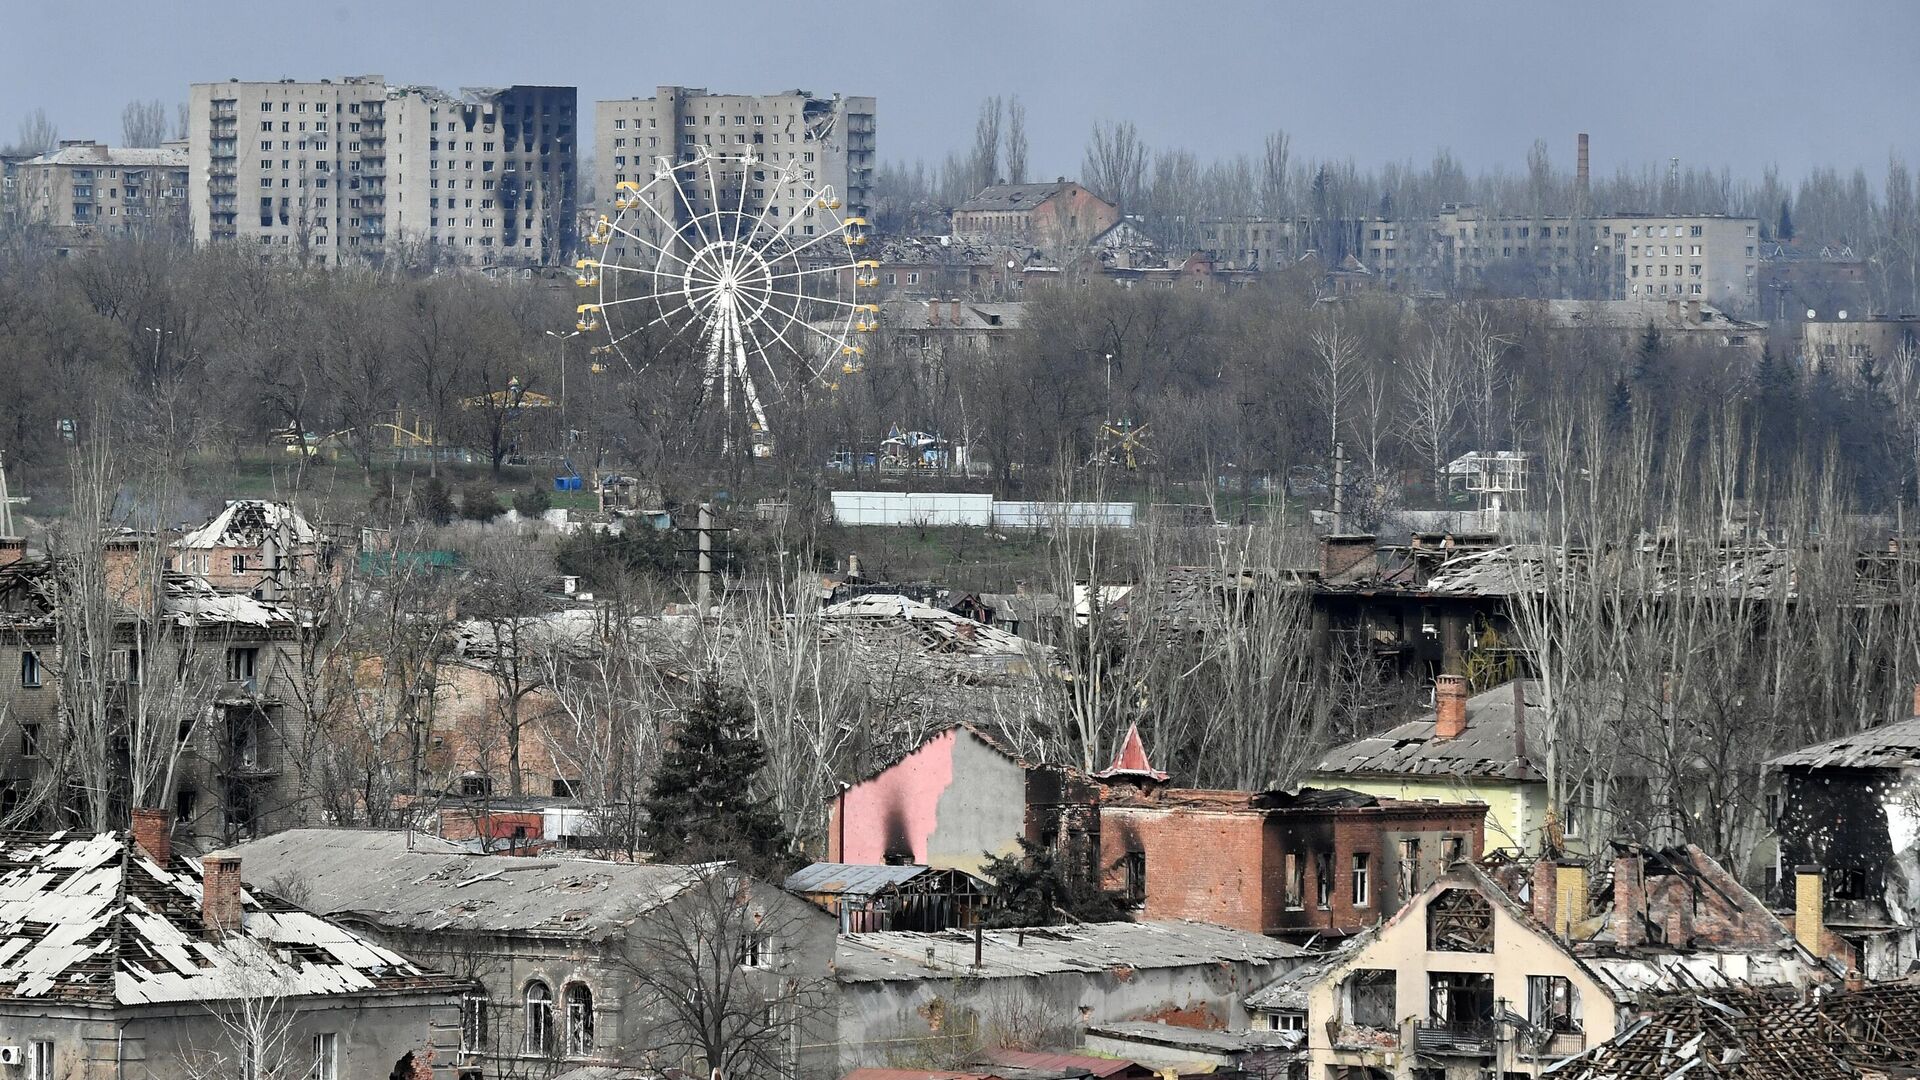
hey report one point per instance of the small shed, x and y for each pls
(878, 897)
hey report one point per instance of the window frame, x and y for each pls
(577, 1004)
(537, 1019)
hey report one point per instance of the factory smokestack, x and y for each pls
(1581, 171)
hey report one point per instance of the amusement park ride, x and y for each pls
(689, 256)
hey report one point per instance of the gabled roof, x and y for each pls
(1487, 749)
(246, 523)
(1889, 746)
(402, 881)
(92, 919)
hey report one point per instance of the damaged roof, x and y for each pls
(1014, 196)
(898, 955)
(893, 621)
(405, 881)
(92, 919)
(849, 879)
(246, 523)
(1487, 748)
(1755, 1035)
(1889, 746)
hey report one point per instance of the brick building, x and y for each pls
(1059, 217)
(250, 545)
(1315, 863)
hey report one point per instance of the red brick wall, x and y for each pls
(1377, 831)
(1201, 865)
(493, 824)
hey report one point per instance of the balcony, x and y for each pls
(1455, 1038)
(1551, 1046)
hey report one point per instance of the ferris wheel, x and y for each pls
(744, 260)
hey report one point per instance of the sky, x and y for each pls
(1714, 82)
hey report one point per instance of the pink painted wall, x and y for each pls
(948, 804)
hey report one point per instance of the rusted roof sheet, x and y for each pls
(91, 919)
(1487, 748)
(849, 879)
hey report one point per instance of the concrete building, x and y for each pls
(1841, 345)
(1059, 218)
(124, 958)
(1255, 243)
(358, 169)
(1621, 326)
(906, 997)
(1710, 258)
(572, 956)
(88, 191)
(823, 143)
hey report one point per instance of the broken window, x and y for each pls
(1450, 849)
(1370, 998)
(1134, 864)
(1460, 999)
(1362, 879)
(1323, 878)
(579, 1020)
(539, 1019)
(1296, 880)
(756, 949)
(1553, 1003)
(1460, 920)
(1409, 867)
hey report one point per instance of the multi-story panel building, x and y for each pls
(819, 144)
(357, 169)
(1708, 258)
(88, 190)
(1255, 243)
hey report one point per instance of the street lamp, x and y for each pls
(562, 338)
(157, 333)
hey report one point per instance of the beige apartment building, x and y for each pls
(817, 144)
(358, 169)
(87, 191)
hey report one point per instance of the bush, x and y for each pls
(533, 502)
(479, 503)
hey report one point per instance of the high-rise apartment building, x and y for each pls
(820, 143)
(360, 169)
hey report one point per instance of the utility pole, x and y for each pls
(1339, 489)
(6, 501)
(703, 539)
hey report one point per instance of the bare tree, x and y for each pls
(38, 135)
(724, 978)
(985, 160)
(143, 123)
(1116, 163)
(1336, 376)
(1016, 140)
(1433, 398)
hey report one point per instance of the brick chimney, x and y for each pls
(1570, 896)
(153, 833)
(1582, 170)
(1546, 879)
(1357, 553)
(1809, 907)
(1916, 699)
(12, 550)
(1629, 901)
(220, 908)
(1450, 706)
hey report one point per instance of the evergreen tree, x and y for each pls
(701, 806)
(1034, 888)
(1784, 231)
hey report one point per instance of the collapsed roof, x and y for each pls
(247, 523)
(94, 920)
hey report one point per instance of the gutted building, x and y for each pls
(123, 958)
(866, 898)
(1847, 811)
(1476, 975)
(1058, 218)
(254, 546)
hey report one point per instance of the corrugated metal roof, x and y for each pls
(1057, 1063)
(93, 919)
(1202, 1039)
(409, 882)
(1013, 196)
(849, 879)
(1088, 947)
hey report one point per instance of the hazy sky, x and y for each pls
(1716, 82)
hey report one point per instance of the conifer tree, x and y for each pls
(701, 806)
